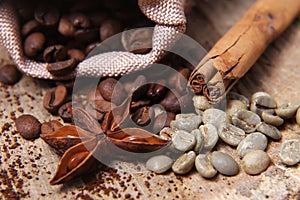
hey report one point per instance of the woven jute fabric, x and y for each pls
(170, 25)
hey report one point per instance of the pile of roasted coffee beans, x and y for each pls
(161, 95)
(64, 32)
(196, 136)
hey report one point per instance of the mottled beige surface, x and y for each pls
(276, 72)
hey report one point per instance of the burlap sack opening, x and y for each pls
(170, 24)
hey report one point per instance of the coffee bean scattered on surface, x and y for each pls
(255, 162)
(204, 166)
(224, 163)
(9, 74)
(184, 163)
(253, 141)
(28, 127)
(159, 164)
(290, 152)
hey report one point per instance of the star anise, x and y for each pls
(79, 143)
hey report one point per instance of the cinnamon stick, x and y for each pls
(234, 54)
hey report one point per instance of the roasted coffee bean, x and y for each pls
(28, 127)
(62, 68)
(246, 120)
(170, 102)
(236, 96)
(137, 40)
(224, 163)
(156, 91)
(103, 106)
(184, 163)
(234, 106)
(112, 91)
(65, 112)
(253, 141)
(46, 15)
(55, 53)
(166, 133)
(199, 140)
(79, 20)
(272, 119)
(162, 120)
(298, 116)
(287, 111)
(86, 35)
(30, 27)
(65, 27)
(187, 122)
(90, 108)
(255, 162)
(230, 134)
(108, 28)
(76, 54)
(215, 117)
(50, 126)
(138, 88)
(54, 98)
(25, 11)
(290, 152)
(262, 101)
(269, 130)
(201, 102)
(211, 137)
(204, 166)
(183, 141)
(9, 74)
(143, 116)
(159, 164)
(34, 44)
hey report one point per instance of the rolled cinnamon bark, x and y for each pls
(234, 54)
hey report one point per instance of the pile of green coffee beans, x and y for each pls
(243, 125)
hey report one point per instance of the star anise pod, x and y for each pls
(79, 159)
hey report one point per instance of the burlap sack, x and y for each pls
(170, 25)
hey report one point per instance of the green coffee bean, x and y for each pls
(224, 163)
(272, 119)
(262, 101)
(236, 96)
(255, 162)
(166, 133)
(211, 137)
(201, 102)
(183, 141)
(235, 105)
(246, 120)
(290, 152)
(298, 116)
(253, 141)
(159, 164)
(187, 122)
(215, 117)
(269, 130)
(184, 163)
(199, 140)
(230, 134)
(286, 111)
(204, 167)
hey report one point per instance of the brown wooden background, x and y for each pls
(26, 167)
